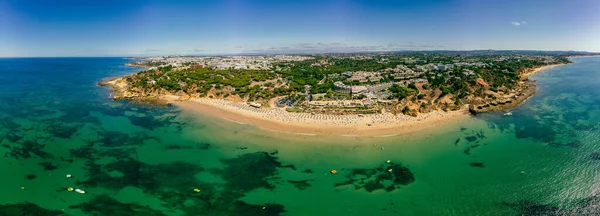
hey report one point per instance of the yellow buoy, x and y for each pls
(197, 190)
(70, 189)
(388, 161)
(390, 170)
(333, 171)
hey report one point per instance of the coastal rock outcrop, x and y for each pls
(126, 95)
(184, 97)
(521, 94)
(472, 109)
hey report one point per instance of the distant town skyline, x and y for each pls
(145, 28)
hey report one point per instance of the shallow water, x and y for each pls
(134, 159)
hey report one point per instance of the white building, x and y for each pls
(359, 89)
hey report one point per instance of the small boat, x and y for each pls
(508, 114)
(79, 191)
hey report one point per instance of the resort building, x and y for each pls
(468, 73)
(359, 90)
(379, 87)
(356, 90)
(363, 76)
(342, 88)
(367, 102)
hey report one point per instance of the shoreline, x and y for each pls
(540, 69)
(514, 100)
(305, 124)
(277, 120)
(135, 65)
(584, 56)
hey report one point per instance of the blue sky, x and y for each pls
(135, 27)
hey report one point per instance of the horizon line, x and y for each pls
(300, 53)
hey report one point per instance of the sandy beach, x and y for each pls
(279, 120)
(539, 69)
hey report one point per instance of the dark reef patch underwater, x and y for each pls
(27, 208)
(173, 183)
(387, 177)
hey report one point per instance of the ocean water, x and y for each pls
(140, 159)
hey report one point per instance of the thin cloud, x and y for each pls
(412, 45)
(336, 47)
(280, 48)
(153, 50)
(306, 45)
(515, 23)
(391, 45)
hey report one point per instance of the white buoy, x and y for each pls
(68, 175)
(79, 191)
(388, 161)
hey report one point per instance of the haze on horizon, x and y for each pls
(185, 27)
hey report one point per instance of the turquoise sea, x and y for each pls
(139, 159)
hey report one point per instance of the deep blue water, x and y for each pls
(43, 81)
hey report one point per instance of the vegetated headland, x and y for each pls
(355, 93)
